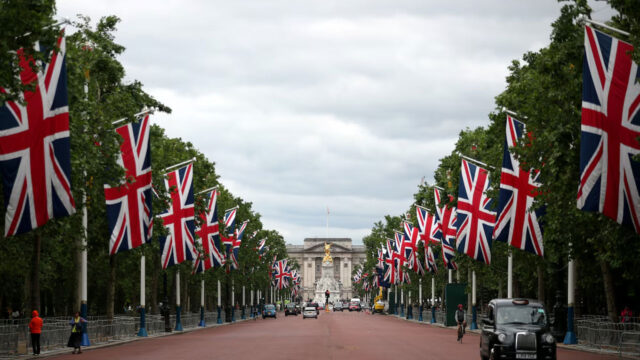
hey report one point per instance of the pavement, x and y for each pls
(341, 335)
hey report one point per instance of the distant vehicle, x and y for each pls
(315, 306)
(378, 303)
(290, 309)
(337, 306)
(354, 305)
(269, 311)
(298, 309)
(310, 311)
(516, 329)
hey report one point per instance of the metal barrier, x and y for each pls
(15, 337)
(598, 332)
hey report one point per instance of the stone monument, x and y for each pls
(327, 280)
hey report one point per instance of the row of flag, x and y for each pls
(36, 169)
(282, 276)
(608, 177)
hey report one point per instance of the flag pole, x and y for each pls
(420, 301)
(202, 322)
(476, 161)
(83, 253)
(179, 164)
(144, 111)
(513, 113)
(243, 316)
(570, 336)
(219, 321)
(433, 299)
(593, 22)
(206, 190)
(474, 310)
(178, 307)
(327, 235)
(143, 323)
(510, 275)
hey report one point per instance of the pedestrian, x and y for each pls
(76, 333)
(626, 315)
(35, 328)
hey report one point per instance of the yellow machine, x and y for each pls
(378, 304)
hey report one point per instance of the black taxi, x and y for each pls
(516, 329)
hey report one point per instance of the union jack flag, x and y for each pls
(35, 159)
(412, 241)
(391, 272)
(516, 222)
(281, 274)
(380, 264)
(357, 276)
(430, 260)
(209, 232)
(230, 221)
(261, 248)
(179, 245)
(475, 217)
(610, 130)
(428, 226)
(129, 204)
(447, 217)
(237, 240)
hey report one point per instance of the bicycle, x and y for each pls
(461, 327)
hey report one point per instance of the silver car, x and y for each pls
(309, 312)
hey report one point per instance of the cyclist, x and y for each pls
(462, 324)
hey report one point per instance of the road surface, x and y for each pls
(333, 336)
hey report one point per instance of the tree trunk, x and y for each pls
(35, 275)
(469, 281)
(541, 296)
(609, 293)
(111, 287)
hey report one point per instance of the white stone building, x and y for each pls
(309, 255)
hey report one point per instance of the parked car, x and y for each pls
(310, 311)
(298, 309)
(290, 309)
(269, 311)
(516, 329)
(355, 306)
(337, 306)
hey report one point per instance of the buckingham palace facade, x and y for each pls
(309, 255)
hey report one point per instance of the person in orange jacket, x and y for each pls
(35, 327)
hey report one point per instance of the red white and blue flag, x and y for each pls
(261, 248)
(430, 260)
(428, 226)
(610, 130)
(179, 244)
(517, 223)
(235, 248)
(230, 221)
(391, 271)
(447, 218)
(475, 217)
(129, 204)
(209, 234)
(281, 274)
(35, 158)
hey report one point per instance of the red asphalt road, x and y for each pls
(333, 336)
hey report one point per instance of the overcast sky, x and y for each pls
(309, 105)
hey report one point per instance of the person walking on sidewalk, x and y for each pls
(35, 328)
(75, 340)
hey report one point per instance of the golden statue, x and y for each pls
(327, 253)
